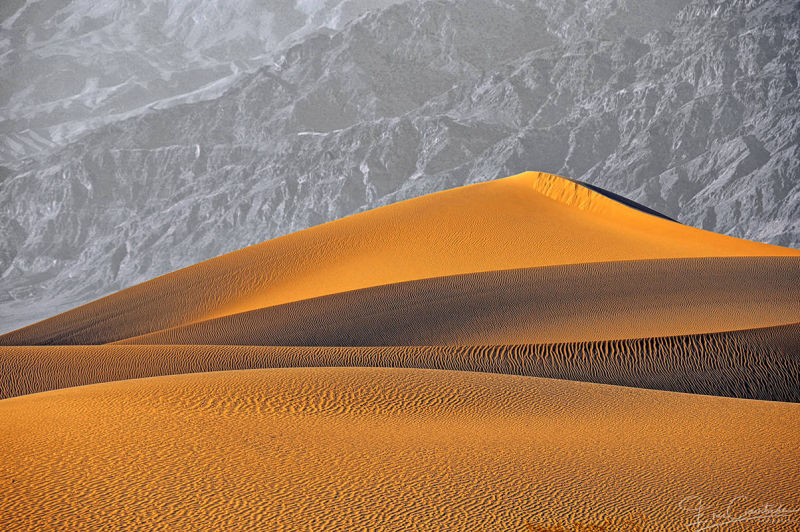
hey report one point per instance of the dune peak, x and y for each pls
(578, 195)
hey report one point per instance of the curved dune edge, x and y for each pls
(392, 449)
(524, 221)
(582, 302)
(754, 364)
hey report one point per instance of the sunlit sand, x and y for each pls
(523, 354)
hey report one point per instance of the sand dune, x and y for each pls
(583, 302)
(754, 363)
(524, 221)
(393, 370)
(390, 449)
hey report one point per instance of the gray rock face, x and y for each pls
(69, 66)
(688, 107)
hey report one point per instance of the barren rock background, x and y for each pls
(140, 137)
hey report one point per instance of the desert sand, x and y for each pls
(525, 221)
(751, 364)
(389, 449)
(582, 302)
(523, 354)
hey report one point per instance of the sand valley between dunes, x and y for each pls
(522, 354)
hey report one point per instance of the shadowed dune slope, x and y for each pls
(755, 364)
(525, 221)
(392, 449)
(583, 302)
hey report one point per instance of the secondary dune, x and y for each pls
(393, 449)
(582, 302)
(754, 363)
(525, 221)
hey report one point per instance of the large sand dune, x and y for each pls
(582, 302)
(524, 221)
(388, 375)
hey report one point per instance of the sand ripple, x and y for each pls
(757, 364)
(387, 449)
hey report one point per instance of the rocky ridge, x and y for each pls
(690, 108)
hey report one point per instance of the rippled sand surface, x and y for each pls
(525, 354)
(753, 364)
(367, 448)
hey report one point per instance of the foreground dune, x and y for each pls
(395, 370)
(392, 449)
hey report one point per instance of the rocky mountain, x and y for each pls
(71, 65)
(688, 107)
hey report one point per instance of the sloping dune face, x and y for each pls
(396, 370)
(391, 449)
(752, 363)
(525, 221)
(583, 302)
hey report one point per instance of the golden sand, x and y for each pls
(752, 363)
(582, 302)
(388, 449)
(524, 221)
(397, 370)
